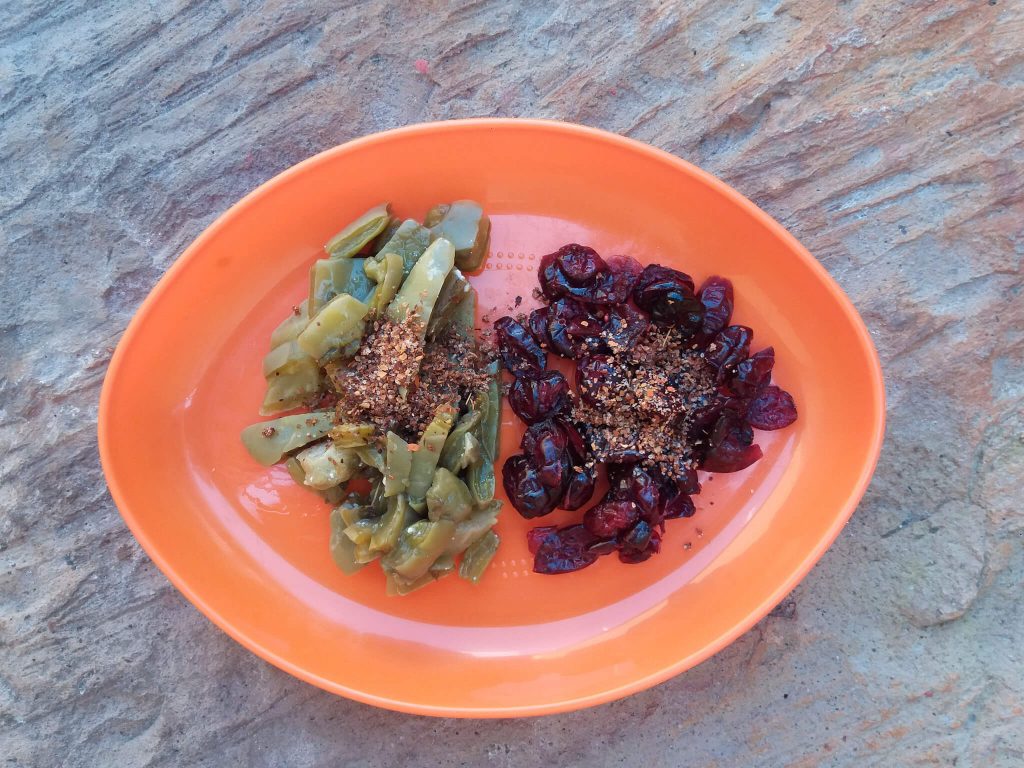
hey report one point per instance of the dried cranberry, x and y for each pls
(580, 264)
(614, 514)
(579, 489)
(623, 327)
(729, 347)
(625, 272)
(667, 295)
(716, 296)
(773, 408)
(754, 373)
(519, 351)
(578, 448)
(538, 323)
(536, 396)
(730, 448)
(630, 552)
(565, 550)
(536, 535)
(594, 374)
(637, 484)
(577, 271)
(545, 445)
(561, 315)
(604, 546)
(528, 494)
(680, 505)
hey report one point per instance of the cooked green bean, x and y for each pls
(466, 227)
(490, 427)
(340, 323)
(298, 474)
(386, 234)
(418, 547)
(343, 549)
(291, 326)
(478, 556)
(390, 276)
(453, 454)
(455, 290)
(398, 465)
(394, 521)
(448, 497)
(327, 277)
(474, 527)
(396, 585)
(436, 215)
(421, 288)
(268, 441)
(293, 377)
(372, 456)
(326, 465)
(352, 509)
(425, 458)
(356, 235)
(441, 567)
(352, 435)
(409, 241)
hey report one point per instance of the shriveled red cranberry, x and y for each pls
(729, 347)
(579, 450)
(680, 505)
(754, 373)
(730, 448)
(562, 315)
(625, 272)
(519, 350)
(536, 535)
(637, 484)
(773, 408)
(546, 447)
(538, 325)
(667, 296)
(594, 374)
(639, 543)
(623, 327)
(716, 296)
(579, 489)
(579, 272)
(614, 514)
(565, 550)
(604, 546)
(535, 396)
(528, 494)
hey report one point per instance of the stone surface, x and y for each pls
(888, 137)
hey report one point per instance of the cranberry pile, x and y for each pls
(607, 315)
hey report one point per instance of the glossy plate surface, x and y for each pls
(249, 549)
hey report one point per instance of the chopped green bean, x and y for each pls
(436, 215)
(391, 276)
(409, 241)
(425, 458)
(343, 549)
(466, 227)
(292, 377)
(386, 234)
(453, 454)
(326, 465)
(352, 435)
(391, 524)
(268, 441)
(418, 547)
(291, 326)
(474, 527)
(448, 497)
(420, 290)
(372, 456)
(478, 556)
(340, 323)
(396, 585)
(398, 465)
(441, 567)
(490, 427)
(455, 290)
(356, 235)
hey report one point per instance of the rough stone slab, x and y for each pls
(887, 136)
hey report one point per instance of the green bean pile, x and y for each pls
(421, 505)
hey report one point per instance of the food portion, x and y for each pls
(664, 386)
(400, 402)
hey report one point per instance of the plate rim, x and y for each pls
(878, 398)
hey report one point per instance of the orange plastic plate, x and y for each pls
(249, 549)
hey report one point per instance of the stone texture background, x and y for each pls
(888, 136)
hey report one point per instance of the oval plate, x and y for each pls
(249, 549)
